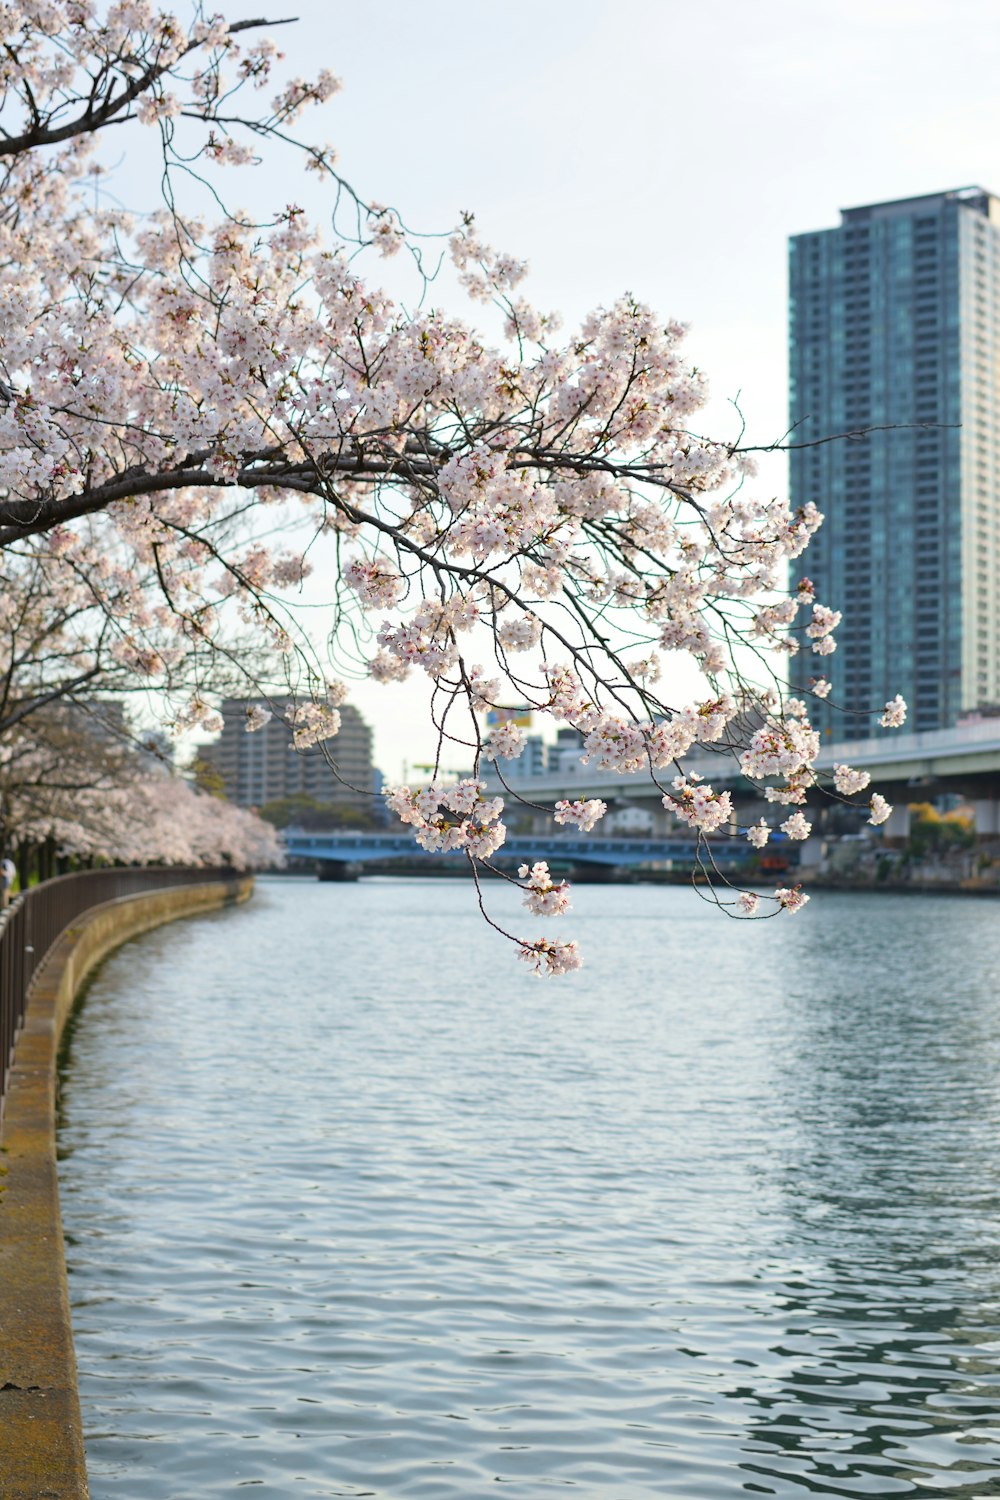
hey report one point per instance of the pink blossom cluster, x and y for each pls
(880, 809)
(312, 723)
(376, 584)
(780, 749)
(428, 638)
(797, 826)
(616, 744)
(545, 897)
(895, 713)
(450, 818)
(821, 627)
(698, 805)
(783, 748)
(505, 741)
(582, 814)
(550, 959)
(847, 780)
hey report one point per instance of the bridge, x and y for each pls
(907, 767)
(559, 850)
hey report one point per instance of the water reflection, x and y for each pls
(892, 1085)
(716, 1217)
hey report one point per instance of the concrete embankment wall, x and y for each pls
(41, 1435)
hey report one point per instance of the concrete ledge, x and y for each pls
(41, 1433)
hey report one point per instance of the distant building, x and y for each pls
(565, 754)
(533, 760)
(103, 723)
(99, 725)
(895, 323)
(630, 822)
(265, 767)
(538, 758)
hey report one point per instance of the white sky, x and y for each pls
(647, 145)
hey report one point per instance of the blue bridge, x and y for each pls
(558, 850)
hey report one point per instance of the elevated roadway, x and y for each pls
(964, 760)
(907, 767)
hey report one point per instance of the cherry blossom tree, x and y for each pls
(49, 761)
(68, 670)
(524, 516)
(74, 787)
(151, 819)
(88, 623)
(156, 818)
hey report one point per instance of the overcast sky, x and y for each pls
(645, 145)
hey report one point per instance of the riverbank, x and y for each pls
(41, 1441)
(958, 887)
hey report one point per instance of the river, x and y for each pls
(355, 1206)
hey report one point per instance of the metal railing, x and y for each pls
(357, 848)
(33, 921)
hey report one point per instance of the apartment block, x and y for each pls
(894, 324)
(264, 766)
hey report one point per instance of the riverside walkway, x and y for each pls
(51, 939)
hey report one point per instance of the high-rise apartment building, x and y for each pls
(265, 767)
(895, 327)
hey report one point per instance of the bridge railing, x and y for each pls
(606, 849)
(33, 921)
(722, 769)
(915, 745)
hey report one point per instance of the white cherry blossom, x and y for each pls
(895, 713)
(580, 814)
(548, 958)
(797, 826)
(880, 809)
(847, 780)
(545, 897)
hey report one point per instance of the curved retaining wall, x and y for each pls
(41, 1434)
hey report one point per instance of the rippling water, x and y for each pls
(357, 1207)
